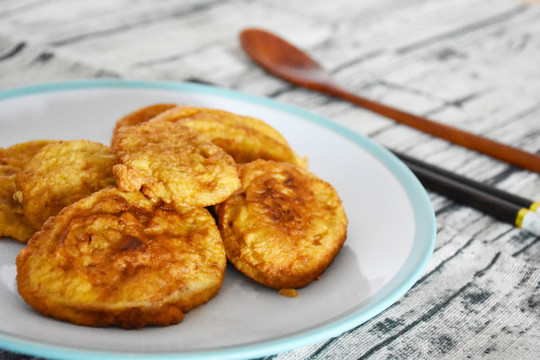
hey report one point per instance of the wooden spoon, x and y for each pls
(285, 61)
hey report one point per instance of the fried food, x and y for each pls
(244, 138)
(284, 226)
(168, 161)
(117, 258)
(288, 292)
(12, 160)
(148, 251)
(60, 174)
(139, 116)
(19, 155)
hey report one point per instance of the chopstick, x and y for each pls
(504, 206)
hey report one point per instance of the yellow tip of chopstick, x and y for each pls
(529, 221)
(535, 206)
(520, 216)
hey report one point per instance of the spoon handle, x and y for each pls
(471, 141)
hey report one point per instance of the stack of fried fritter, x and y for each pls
(125, 233)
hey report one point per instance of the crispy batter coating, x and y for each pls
(12, 160)
(284, 226)
(19, 155)
(138, 117)
(244, 138)
(60, 174)
(116, 258)
(168, 161)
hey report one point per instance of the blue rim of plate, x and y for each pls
(406, 277)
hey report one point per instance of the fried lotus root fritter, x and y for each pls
(168, 161)
(60, 174)
(12, 160)
(139, 116)
(244, 138)
(284, 226)
(117, 258)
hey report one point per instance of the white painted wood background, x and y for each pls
(474, 64)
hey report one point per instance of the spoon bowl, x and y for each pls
(284, 60)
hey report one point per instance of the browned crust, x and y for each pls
(243, 137)
(60, 174)
(138, 117)
(12, 160)
(117, 258)
(171, 162)
(284, 226)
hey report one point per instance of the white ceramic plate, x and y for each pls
(391, 232)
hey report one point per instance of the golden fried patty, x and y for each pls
(12, 160)
(139, 116)
(168, 161)
(284, 226)
(244, 138)
(116, 258)
(60, 174)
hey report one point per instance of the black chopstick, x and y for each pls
(503, 206)
(518, 200)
